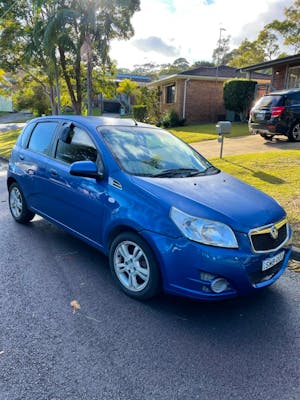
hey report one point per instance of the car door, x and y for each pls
(33, 158)
(75, 202)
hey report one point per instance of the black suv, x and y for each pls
(277, 113)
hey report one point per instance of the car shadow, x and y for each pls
(282, 143)
(263, 176)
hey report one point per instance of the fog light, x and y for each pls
(206, 276)
(219, 285)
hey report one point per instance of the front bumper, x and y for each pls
(189, 268)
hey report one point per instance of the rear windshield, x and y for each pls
(269, 101)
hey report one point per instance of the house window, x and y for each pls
(170, 93)
(294, 77)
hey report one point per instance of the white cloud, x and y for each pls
(190, 28)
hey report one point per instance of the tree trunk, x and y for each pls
(76, 103)
(57, 87)
(78, 109)
(89, 77)
(53, 103)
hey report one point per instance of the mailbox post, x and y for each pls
(223, 128)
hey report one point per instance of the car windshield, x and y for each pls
(269, 102)
(154, 152)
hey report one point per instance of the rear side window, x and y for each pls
(293, 99)
(77, 146)
(42, 136)
(269, 102)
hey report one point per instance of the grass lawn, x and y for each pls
(7, 141)
(200, 132)
(276, 174)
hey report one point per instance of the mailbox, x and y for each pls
(223, 127)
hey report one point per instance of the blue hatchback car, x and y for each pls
(165, 216)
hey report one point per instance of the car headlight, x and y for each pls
(203, 230)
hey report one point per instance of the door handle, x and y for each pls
(53, 172)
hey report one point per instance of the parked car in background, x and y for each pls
(165, 216)
(277, 113)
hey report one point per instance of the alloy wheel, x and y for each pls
(16, 202)
(131, 266)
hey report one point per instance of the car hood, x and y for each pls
(219, 197)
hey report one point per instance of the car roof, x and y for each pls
(93, 121)
(283, 92)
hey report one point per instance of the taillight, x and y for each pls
(277, 111)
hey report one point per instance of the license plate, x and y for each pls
(270, 262)
(260, 116)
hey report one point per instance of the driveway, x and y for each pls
(243, 145)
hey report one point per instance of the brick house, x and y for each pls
(197, 94)
(285, 73)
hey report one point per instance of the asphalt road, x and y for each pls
(117, 348)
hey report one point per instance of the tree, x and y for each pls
(150, 99)
(267, 42)
(267, 46)
(88, 26)
(128, 88)
(248, 53)
(21, 43)
(202, 63)
(51, 35)
(219, 56)
(238, 95)
(289, 28)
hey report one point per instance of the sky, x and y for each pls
(169, 29)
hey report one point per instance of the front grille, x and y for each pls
(262, 239)
(261, 276)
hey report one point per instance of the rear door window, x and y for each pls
(42, 137)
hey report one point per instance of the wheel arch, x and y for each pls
(10, 181)
(117, 230)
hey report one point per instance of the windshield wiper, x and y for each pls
(211, 170)
(185, 172)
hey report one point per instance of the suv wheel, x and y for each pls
(294, 134)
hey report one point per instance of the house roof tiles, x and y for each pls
(223, 71)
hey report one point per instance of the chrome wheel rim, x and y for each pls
(16, 202)
(296, 132)
(131, 266)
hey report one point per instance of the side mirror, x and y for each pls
(65, 134)
(86, 169)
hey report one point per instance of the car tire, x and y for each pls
(294, 134)
(266, 136)
(134, 266)
(18, 206)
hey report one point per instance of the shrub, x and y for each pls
(238, 95)
(140, 113)
(171, 118)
